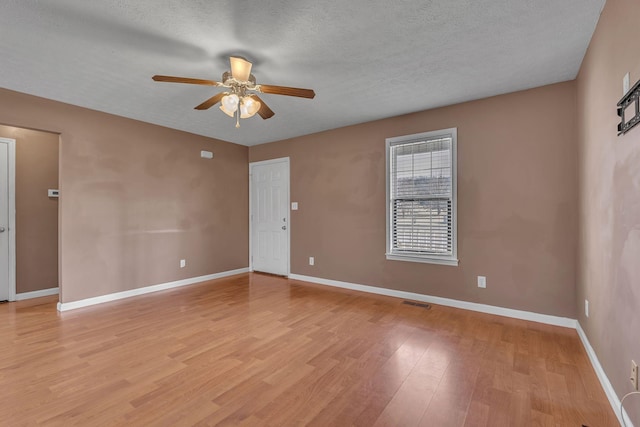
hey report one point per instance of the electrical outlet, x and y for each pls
(634, 375)
(183, 263)
(482, 282)
(312, 261)
(586, 307)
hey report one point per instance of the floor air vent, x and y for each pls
(417, 304)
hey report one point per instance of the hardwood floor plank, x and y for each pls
(259, 350)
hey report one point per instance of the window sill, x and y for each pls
(423, 259)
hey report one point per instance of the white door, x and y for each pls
(270, 216)
(4, 221)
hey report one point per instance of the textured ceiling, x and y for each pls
(365, 59)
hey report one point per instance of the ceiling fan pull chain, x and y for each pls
(238, 117)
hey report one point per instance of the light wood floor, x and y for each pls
(263, 351)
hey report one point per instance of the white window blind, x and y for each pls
(421, 191)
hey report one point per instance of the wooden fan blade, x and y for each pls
(171, 79)
(288, 91)
(264, 111)
(210, 102)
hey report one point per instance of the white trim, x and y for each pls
(429, 259)
(466, 305)
(11, 228)
(269, 162)
(614, 401)
(37, 294)
(288, 210)
(424, 259)
(64, 306)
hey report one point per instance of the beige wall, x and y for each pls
(609, 238)
(36, 213)
(517, 202)
(136, 198)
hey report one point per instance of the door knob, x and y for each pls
(1, 229)
(284, 227)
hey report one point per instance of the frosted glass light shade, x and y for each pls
(230, 104)
(240, 68)
(249, 107)
(228, 113)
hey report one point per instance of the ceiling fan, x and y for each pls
(240, 100)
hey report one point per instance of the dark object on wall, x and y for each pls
(629, 98)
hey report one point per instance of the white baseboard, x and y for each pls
(147, 289)
(602, 376)
(483, 308)
(37, 294)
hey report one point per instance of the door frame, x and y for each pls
(11, 226)
(288, 197)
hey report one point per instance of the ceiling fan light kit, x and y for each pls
(249, 107)
(239, 101)
(229, 104)
(240, 68)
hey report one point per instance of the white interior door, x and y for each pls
(270, 216)
(5, 244)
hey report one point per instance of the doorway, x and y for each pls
(33, 215)
(269, 230)
(7, 220)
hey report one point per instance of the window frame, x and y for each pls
(452, 259)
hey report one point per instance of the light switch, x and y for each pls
(294, 206)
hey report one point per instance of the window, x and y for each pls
(421, 197)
